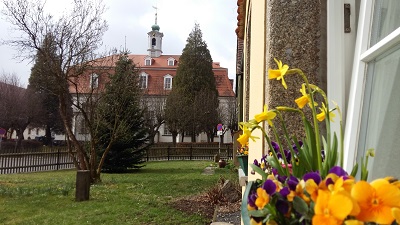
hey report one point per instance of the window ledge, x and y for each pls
(242, 177)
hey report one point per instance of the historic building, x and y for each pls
(157, 71)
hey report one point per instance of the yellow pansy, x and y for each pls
(265, 116)
(279, 73)
(262, 198)
(376, 200)
(331, 208)
(321, 116)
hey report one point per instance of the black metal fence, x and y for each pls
(32, 160)
(57, 158)
(188, 153)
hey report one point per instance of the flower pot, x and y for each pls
(221, 163)
(244, 163)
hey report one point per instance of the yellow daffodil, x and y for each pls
(265, 116)
(376, 200)
(279, 73)
(331, 208)
(321, 116)
(244, 138)
(262, 198)
(305, 99)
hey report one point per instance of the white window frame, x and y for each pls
(168, 77)
(171, 62)
(94, 80)
(148, 61)
(166, 131)
(363, 55)
(146, 79)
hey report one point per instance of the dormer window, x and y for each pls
(147, 61)
(143, 80)
(167, 82)
(94, 80)
(171, 62)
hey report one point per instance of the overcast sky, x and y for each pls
(130, 20)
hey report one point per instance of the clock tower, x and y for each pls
(155, 39)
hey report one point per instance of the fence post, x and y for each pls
(82, 185)
(58, 158)
(168, 153)
(191, 152)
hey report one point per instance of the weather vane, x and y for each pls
(155, 7)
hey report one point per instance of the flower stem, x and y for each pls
(317, 150)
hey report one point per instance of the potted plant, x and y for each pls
(243, 157)
(311, 186)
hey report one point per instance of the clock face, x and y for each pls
(154, 34)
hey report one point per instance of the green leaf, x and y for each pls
(275, 164)
(354, 170)
(259, 171)
(244, 210)
(259, 213)
(300, 205)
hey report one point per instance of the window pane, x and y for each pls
(380, 125)
(386, 19)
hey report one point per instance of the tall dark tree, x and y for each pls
(194, 77)
(121, 133)
(42, 81)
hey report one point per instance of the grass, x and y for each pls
(141, 197)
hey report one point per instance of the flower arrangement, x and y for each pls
(243, 150)
(306, 183)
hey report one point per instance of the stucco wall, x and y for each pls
(296, 35)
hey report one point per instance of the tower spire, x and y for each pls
(155, 7)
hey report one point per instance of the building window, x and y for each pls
(373, 118)
(82, 126)
(147, 62)
(153, 42)
(167, 82)
(94, 80)
(171, 62)
(37, 131)
(29, 130)
(143, 81)
(166, 131)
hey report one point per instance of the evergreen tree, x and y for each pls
(121, 134)
(194, 77)
(43, 82)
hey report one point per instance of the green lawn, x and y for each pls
(140, 197)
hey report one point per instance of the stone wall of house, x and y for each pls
(296, 34)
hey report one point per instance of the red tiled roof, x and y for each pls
(157, 70)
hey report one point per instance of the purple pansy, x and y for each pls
(313, 175)
(269, 186)
(338, 171)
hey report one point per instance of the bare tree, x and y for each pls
(20, 106)
(76, 36)
(229, 115)
(154, 109)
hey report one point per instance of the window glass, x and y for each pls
(94, 81)
(170, 62)
(147, 62)
(386, 19)
(380, 125)
(143, 81)
(167, 83)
